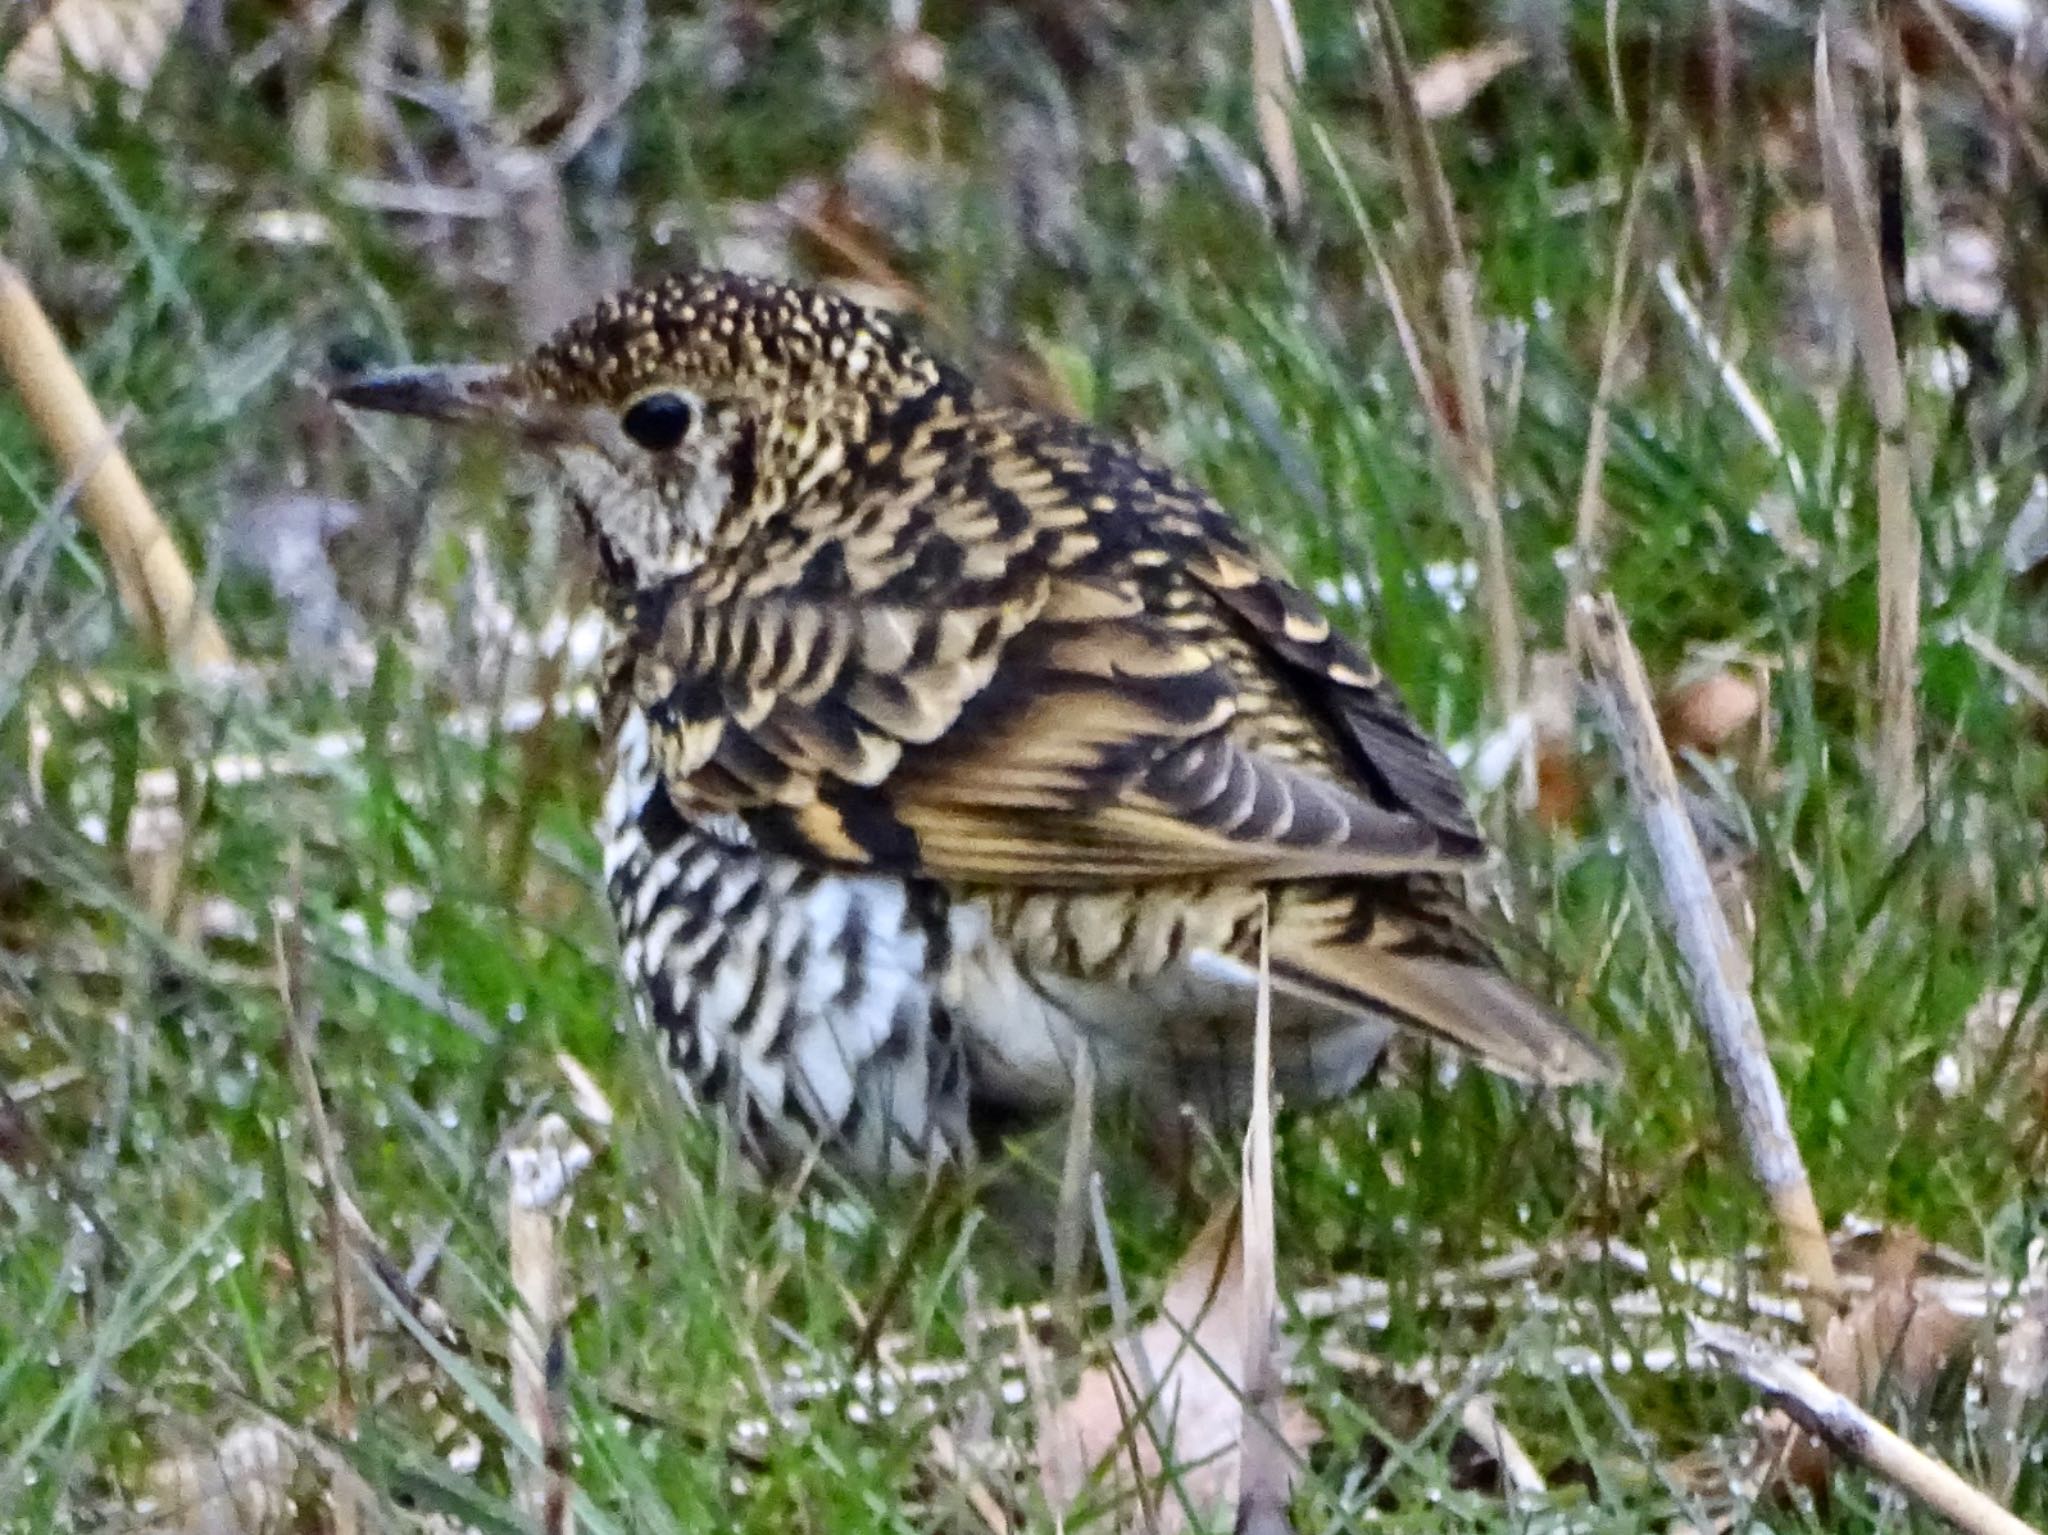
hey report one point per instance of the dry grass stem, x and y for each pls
(1446, 356)
(1852, 1432)
(1164, 1424)
(1746, 400)
(1714, 962)
(1276, 67)
(345, 1225)
(1861, 271)
(1625, 1334)
(955, 1462)
(1480, 1417)
(1590, 537)
(1155, 1428)
(1265, 1472)
(1076, 1167)
(155, 585)
(2023, 677)
(539, 1172)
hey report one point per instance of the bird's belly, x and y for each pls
(1036, 979)
(802, 1004)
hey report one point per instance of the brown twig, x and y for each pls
(1850, 1431)
(1861, 267)
(155, 586)
(1713, 961)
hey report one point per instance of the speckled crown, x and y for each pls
(719, 333)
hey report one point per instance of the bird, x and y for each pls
(948, 741)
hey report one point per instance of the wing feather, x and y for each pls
(1040, 687)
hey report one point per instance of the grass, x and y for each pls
(165, 1276)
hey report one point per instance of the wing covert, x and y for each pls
(1044, 682)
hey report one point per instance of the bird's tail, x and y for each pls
(1412, 955)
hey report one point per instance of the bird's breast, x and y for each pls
(803, 1004)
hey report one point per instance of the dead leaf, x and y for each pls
(240, 1486)
(1999, 1031)
(1194, 1350)
(1893, 1342)
(123, 40)
(1561, 778)
(2017, 1386)
(1707, 712)
(1447, 84)
(1893, 1337)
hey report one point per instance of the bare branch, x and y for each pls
(1852, 1432)
(1713, 961)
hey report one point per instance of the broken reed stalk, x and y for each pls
(1861, 270)
(1850, 1431)
(150, 575)
(1448, 362)
(1713, 962)
(538, 1176)
(1263, 1468)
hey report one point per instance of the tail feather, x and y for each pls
(1464, 1002)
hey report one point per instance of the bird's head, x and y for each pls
(684, 414)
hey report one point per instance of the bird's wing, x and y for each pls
(1329, 677)
(1016, 683)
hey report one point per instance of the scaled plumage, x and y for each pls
(951, 738)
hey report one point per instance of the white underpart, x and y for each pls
(777, 1007)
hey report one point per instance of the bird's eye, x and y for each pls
(657, 422)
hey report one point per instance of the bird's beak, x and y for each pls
(459, 392)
